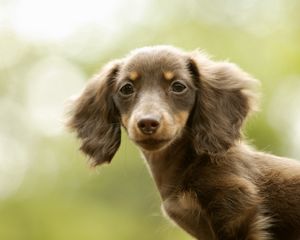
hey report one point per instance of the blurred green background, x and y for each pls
(48, 49)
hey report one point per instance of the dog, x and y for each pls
(185, 112)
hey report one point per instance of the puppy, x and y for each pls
(185, 113)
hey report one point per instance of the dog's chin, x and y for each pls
(152, 144)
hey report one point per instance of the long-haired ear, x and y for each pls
(224, 98)
(95, 119)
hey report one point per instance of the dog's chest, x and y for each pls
(183, 204)
(185, 210)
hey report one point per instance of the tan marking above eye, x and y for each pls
(133, 75)
(169, 75)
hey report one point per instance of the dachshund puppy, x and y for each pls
(185, 113)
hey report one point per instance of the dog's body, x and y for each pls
(185, 113)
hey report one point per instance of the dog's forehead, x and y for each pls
(155, 60)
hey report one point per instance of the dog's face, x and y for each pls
(154, 93)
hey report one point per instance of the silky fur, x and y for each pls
(212, 184)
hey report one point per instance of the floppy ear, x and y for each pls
(95, 119)
(224, 99)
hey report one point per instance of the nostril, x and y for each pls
(154, 124)
(148, 125)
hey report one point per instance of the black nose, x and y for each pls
(148, 125)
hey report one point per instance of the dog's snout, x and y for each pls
(148, 125)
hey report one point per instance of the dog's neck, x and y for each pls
(168, 165)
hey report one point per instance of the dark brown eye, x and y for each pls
(178, 87)
(127, 89)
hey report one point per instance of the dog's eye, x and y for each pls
(178, 87)
(127, 89)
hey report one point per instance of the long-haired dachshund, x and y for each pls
(185, 113)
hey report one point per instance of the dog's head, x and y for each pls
(158, 94)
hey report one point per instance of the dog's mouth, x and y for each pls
(151, 144)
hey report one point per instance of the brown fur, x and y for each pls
(188, 128)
